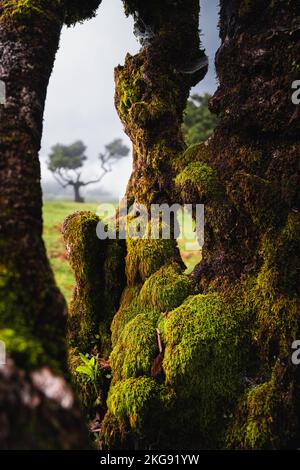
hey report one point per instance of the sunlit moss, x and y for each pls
(133, 400)
(59, 11)
(198, 182)
(135, 350)
(167, 288)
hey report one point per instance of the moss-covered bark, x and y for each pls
(99, 270)
(32, 310)
(151, 94)
(226, 377)
(152, 89)
(205, 361)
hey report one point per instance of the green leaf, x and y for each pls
(85, 370)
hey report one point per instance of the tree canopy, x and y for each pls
(65, 163)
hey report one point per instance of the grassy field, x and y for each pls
(54, 213)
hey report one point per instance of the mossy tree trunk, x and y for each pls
(252, 219)
(29, 298)
(152, 89)
(205, 361)
(32, 310)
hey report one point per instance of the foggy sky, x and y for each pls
(80, 101)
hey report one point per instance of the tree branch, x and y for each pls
(63, 184)
(98, 179)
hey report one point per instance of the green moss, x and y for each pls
(274, 296)
(145, 256)
(133, 400)
(129, 308)
(207, 347)
(194, 153)
(10, 311)
(265, 418)
(84, 251)
(19, 321)
(167, 288)
(25, 10)
(198, 182)
(280, 253)
(129, 89)
(25, 350)
(135, 350)
(70, 11)
(98, 267)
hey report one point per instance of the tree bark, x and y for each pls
(32, 310)
(226, 378)
(152, 89)
(77, 195)
(28, 44)
(227, 374)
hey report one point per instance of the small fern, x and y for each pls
(90, 370)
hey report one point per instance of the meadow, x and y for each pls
(54, 213)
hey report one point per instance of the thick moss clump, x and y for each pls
(145, 256)
(212, 391)
(133, 418)
(167, 288)
(134, 326)
(129, 308)
(198, 182)
(206, 360)
(194, 153)
(98, 267)
(133, 400)
(135, 350)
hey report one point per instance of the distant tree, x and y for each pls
(66, 161)
(199, 123)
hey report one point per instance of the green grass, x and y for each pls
(54, 213)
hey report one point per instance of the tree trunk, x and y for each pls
(226, 378)
(221, 374)
(32, 310)
(28, 45)
(77, 195)
(152, 89)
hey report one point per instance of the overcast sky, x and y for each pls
(80, 102)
